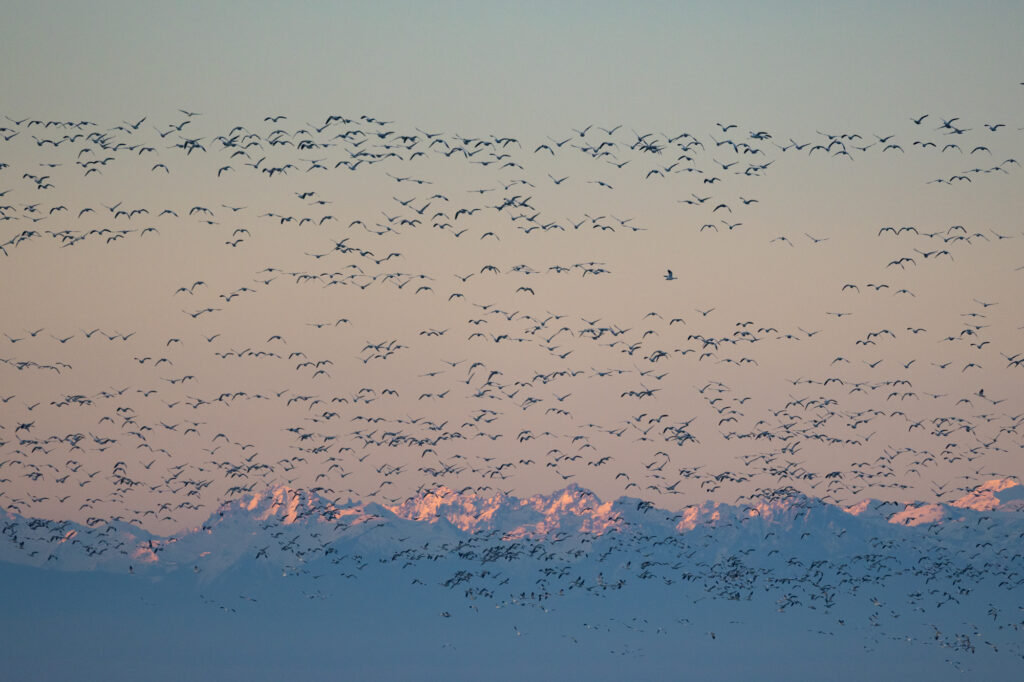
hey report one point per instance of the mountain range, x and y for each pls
(288, 526)
(504, 587)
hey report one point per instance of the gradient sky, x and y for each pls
(539, 74)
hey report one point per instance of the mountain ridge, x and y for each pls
(286, 522)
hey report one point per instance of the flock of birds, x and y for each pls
(362, 309)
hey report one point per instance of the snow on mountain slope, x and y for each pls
(282, 521)
(608, 581)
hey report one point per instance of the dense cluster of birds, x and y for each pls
(442, 420)
(949, 583)
(362, 309)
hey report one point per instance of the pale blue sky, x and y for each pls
(499, 65)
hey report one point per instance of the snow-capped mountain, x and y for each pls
(933, 586)
(284, 526)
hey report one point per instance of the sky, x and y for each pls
(609, 314)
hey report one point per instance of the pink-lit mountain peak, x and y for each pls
(1000, 494)
(575, 509)
(282, 504)
(286, 504)
(1005, 494)
(572, 508)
